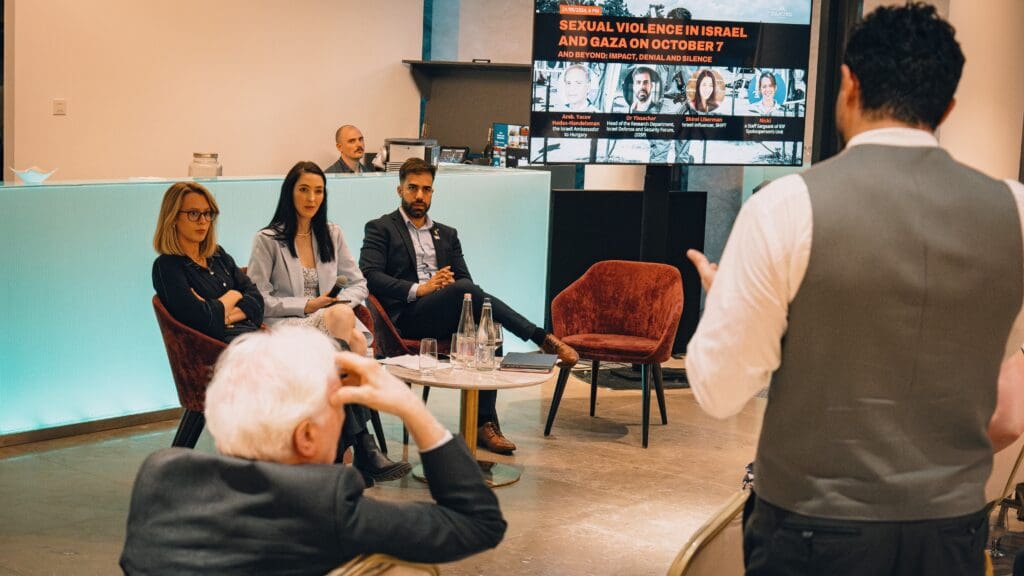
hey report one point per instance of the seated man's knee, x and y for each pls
(464, 285)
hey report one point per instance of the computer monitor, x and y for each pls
(453, 154)
(401, 149)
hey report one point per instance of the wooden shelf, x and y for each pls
(463, 99)
(434, 66)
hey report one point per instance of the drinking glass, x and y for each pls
(453, 354)
(467, 351)
(428, 356)
(499, 337)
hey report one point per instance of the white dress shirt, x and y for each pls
(426, 254)
(738, 343)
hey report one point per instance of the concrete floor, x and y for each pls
(590, 501)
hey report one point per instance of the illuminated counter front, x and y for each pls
(79, 340)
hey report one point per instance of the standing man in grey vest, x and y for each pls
(880, 295)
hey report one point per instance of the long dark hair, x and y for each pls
(284, 224)
(698, 101)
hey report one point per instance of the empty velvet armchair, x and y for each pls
(620, 311)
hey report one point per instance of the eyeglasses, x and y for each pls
(194, 215)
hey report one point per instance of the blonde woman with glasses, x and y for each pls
(196, 280)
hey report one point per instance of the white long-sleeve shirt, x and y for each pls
(738, 343)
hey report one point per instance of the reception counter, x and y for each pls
(79, 340)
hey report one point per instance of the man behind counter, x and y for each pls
(352, 147)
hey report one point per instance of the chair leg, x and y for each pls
(378, 430)
(563, 377)
(405, 431)
(426, 393)
(189, 429)
(659, 387)
(645, 384)
(595, 365)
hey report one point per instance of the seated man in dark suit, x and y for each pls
(273, 502)
(415, 267)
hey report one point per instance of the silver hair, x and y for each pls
(264, 385)
(576, 66)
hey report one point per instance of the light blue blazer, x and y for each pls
(278, 275)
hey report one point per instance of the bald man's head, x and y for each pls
(349, 141)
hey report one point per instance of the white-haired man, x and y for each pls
(272, 501)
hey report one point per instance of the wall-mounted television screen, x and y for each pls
(669, 82)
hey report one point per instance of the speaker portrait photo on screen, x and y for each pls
(639, 91)
(771, 92)
(705, 91)
(567, 86)
(576, 89)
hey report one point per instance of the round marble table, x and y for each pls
(470, 382)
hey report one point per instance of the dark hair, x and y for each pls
(416, 166)
(284, 224)
(908, 63)
(627, 81)
(698, 102)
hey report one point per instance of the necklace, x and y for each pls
(303, 235)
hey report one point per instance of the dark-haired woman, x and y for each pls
(705, 93)
(195, 279)
(296, 261)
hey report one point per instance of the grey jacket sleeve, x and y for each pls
(267, 271)
(463, 519)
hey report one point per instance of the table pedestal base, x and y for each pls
(495, 474)
(468, 382)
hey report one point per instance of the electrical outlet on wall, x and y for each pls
(60, 107)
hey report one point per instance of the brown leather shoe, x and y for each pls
(567, 357)
(489, 436)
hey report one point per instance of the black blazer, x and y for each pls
(388, 260)
(198, 513)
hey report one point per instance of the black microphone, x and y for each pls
(339, 285)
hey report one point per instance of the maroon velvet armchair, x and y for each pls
(620, 311)
(192, 355)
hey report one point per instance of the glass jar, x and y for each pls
(205, 165)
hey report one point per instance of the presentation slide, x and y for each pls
(673, 82)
